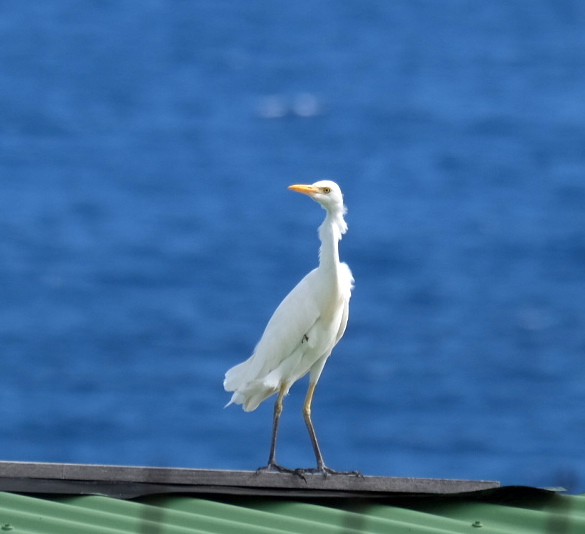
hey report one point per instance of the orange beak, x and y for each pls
(306, 189)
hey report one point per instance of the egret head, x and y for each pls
(326, 192)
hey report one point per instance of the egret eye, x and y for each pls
(326, 190)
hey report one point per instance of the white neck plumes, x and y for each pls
(330, 232)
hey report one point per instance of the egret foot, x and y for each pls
(326, 471)
(276, 468)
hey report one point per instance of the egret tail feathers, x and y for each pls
(249, 389)
(252, 394)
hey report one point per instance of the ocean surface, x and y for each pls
(147, 233)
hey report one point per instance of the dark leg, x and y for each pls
(321, 467)
(272, 465)
(275, 421)
(311, 429)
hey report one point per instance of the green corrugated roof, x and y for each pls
(504, 510)
(43, 498)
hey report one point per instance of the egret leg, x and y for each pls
(272, 465)
(321, 467)
(275, 421)
(310, 428)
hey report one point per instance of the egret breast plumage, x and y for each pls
(303, 330)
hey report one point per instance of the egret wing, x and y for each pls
(293, 318)
(347, 286)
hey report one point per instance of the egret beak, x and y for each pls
(306, 189)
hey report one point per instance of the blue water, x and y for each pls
(146, 232)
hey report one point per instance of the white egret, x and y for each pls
(303, 330)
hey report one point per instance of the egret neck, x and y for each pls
(330, 233)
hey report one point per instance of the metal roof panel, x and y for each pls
(181, 514)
